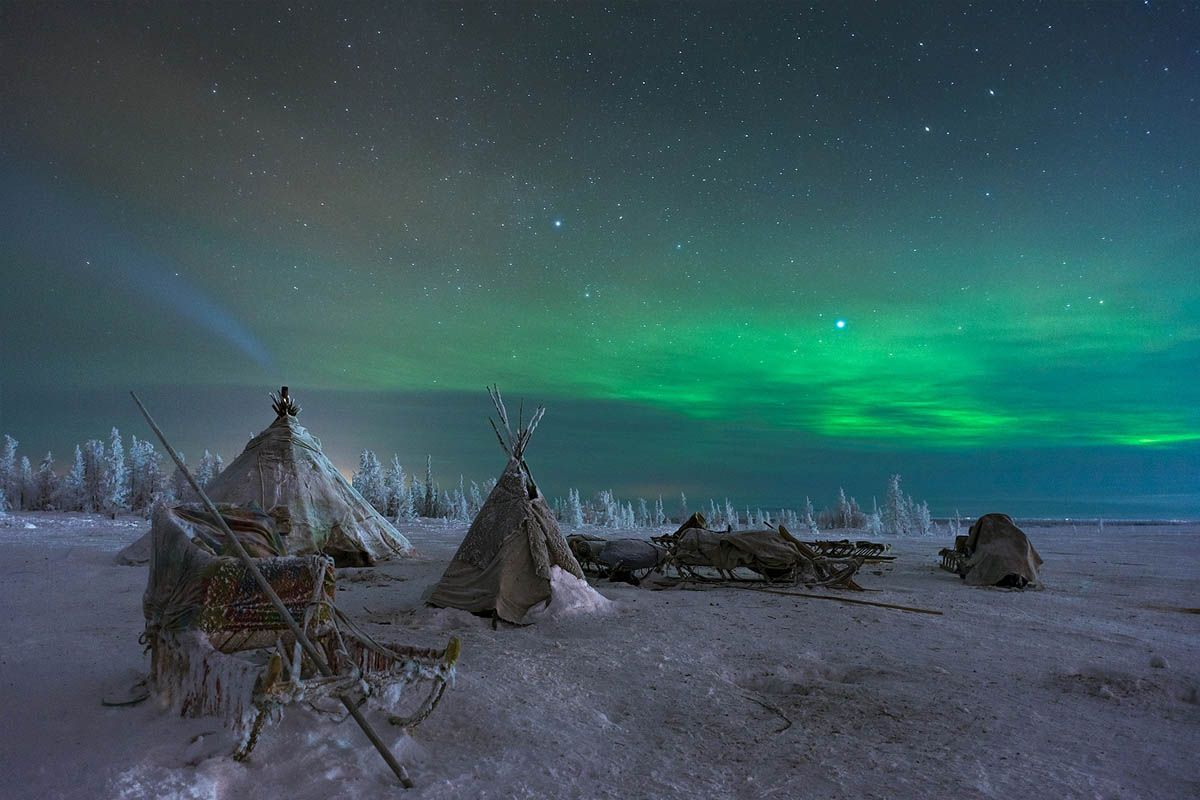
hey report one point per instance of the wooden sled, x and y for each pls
(844, 548)
(954, 559)
(236, 659)
(774, 555)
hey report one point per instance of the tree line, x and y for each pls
(111, 478)
(106, 478)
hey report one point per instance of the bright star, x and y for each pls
(558, 223)
(841, 323)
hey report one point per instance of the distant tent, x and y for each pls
(284, 471)
(504, 564)
(999, 554)
(136, 553)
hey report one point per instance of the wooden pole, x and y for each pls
(269, 591)
(846, 600)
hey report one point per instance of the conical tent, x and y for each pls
(504, 564)
(285, 472)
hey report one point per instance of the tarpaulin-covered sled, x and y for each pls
(773, 554)
(994, 553)
(219, 647)
(628, 560)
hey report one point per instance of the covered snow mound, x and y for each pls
(569, 596)
(284, 471)
(1000, 553)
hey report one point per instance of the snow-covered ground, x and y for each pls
(1087, 688)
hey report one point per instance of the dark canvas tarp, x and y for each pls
(759, 550)
(998, 549)
(630, 554)
(503, 564)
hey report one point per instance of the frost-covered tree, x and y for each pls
(431, 492)
(25, 484)
(417, 490)
(901, 514)
(70, 495)
(954, 526)
(810, 519)
(922, 522)
(660, 514)
(460, 510)
(180, 489)
(97, 484)
(731, 515)
(45, 485)
(369, 481)
(874, 523)
(210, 466)
(475, 499)
(117, 494)
(411, 501)
(609, 509)
(453, 504)
(402, 492)
(642, 516)
(8, 473)
(394, 488)
(843, 510)
(146, 480)
(683, 507)
(573, 513)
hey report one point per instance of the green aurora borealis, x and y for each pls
(659, 211)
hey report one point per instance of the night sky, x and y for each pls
(748, 250)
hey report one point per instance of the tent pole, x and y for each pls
(265, 585)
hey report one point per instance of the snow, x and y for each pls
(1086, 688)
(569, 596)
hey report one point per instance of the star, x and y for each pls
(841, 323)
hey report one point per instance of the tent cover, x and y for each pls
(503, 564)
(1000, 553)
(284, 471)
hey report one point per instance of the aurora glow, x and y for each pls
(874, 232)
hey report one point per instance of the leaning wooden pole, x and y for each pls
(265, 585)
(851, 600)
